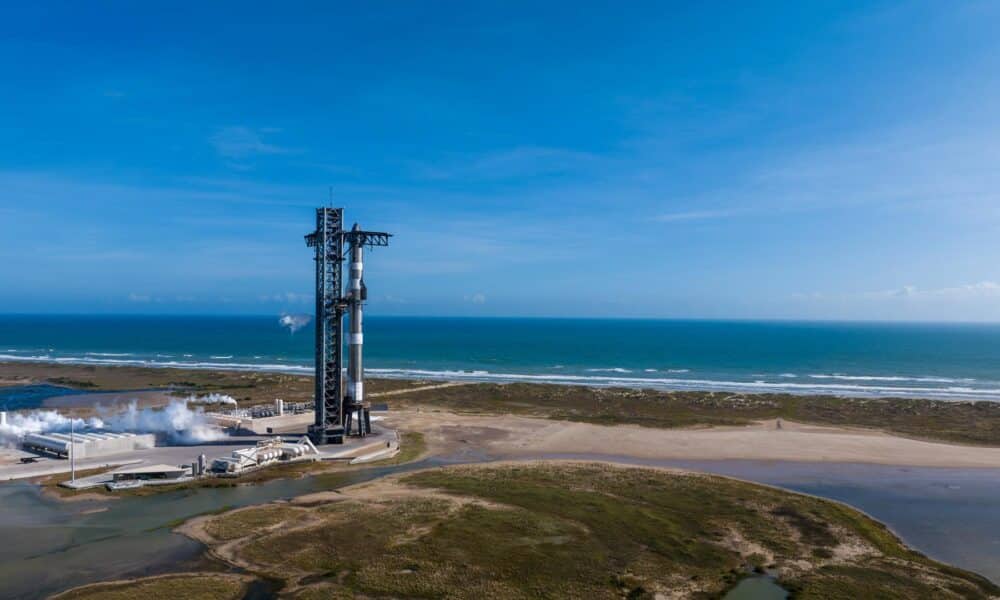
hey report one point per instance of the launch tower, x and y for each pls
(339, 413)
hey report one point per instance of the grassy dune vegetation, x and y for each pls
(963, 422)
(574, 530)
(193, 586)
(246, 386)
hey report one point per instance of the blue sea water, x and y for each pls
(953, 361)
(31, 396)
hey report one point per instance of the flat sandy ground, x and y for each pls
(525, 437)
(85, 403)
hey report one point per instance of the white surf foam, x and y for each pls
(817, 384)
(840, 377)
(846, 389)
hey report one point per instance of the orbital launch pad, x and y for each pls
(340, 411)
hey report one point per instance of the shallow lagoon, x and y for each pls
(949, 514)
(31, 396)
(51, 545)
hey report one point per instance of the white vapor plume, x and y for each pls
(40, 421)
(212, 398)
(178, 422)
(294, 322)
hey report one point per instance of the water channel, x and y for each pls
(49, 545)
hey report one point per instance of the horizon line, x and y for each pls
(514, 317)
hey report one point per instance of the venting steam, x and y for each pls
(212, 398)
(40, 421)
(294, 322)
(179, 423)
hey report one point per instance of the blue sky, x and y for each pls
(831, 160)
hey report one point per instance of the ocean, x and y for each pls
(948, 361)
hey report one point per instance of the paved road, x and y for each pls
(171, 455)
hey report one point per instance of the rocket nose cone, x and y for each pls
(356, 227)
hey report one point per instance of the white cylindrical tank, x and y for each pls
(59, 445)
(279, 406)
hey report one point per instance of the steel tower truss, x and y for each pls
(333, 415)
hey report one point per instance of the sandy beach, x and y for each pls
(514, 436)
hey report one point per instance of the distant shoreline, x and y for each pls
(965, 423)
(620, 380)
(848, 359)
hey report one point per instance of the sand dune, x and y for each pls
(510, 436)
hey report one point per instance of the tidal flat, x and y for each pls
(515, 530)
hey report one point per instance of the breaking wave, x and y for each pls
(840, 377)
(176, 364)
(675, 383)
(665, 379)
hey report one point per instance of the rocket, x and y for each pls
(356, 295)
(338, 404)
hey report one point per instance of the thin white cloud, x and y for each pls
(519, 162)
(243, 142)
(982, 289)
(912, 293)
(287, 298)
(970, 302)
(695, 215)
